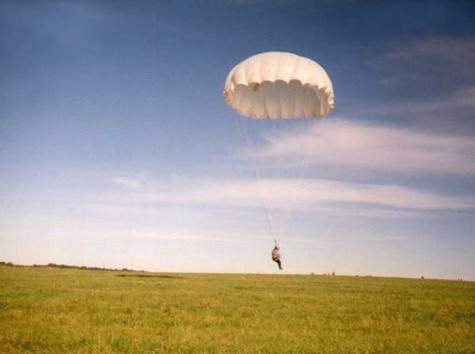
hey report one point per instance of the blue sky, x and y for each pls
(117, 148)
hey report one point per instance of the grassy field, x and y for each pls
(70, 310)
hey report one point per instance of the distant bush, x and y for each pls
(66, 266)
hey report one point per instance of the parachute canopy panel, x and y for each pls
(279, 85)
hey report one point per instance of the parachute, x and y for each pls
(279, 85)
(274, 90)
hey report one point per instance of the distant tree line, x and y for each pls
(54, 265)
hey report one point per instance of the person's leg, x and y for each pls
(280, 265)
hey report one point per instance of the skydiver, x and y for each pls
(276, 255)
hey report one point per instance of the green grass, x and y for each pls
(71, 310)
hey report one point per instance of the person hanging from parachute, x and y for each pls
(276, 255)
(276, 86)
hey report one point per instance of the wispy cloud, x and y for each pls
(349, 144)
(454, 104)
(435, 77)
(454, 55)
(302, 194)
(128, 182)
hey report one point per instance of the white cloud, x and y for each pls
(349, 144)
(303, 194)
(374, 211)
(128, 182)
(437, 72)
(453, 55)
(463, 100)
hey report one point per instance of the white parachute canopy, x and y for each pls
(279, 85)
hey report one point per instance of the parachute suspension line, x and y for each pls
(303, 166)
(257, 177)
(277, 231)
